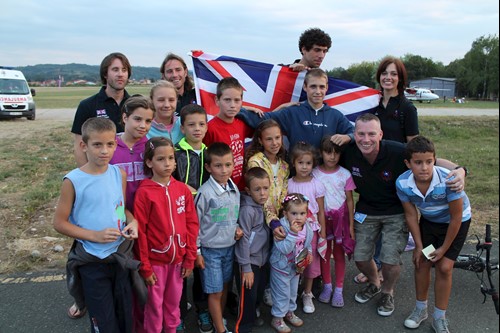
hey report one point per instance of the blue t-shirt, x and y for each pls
(434, 205)
(98, 205)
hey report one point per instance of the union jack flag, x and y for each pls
(267, 86)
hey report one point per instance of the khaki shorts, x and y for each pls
(394, 232)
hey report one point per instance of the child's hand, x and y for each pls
(238, 233)
(279, 233)
(131, 231)
(247, 280)
(186, 272)
(295, 226)
(200, 262)
(322, 233)
(107, 235)
(437, 254)
(418, 257)
(255, 110)
(151, 281)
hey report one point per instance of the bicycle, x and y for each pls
(479, 264)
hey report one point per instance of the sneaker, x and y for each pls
(267, 299)
(307, 302)
(367, 293)
(440, 325)
(293, 319)
(257, 312)
(181, 328)
(416, 317)
(279, 325)
(205, 322)
(385, 305)
(326, 294)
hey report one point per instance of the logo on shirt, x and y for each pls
(181, 204)
(386, 175)
(101, 113)
(310, 123)
(356, 172)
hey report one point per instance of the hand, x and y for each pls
(107, 235)
(340, 139)
(200, 262)
(437, 254)
(279, 233)
(238, 233)
(418, 257)
(131, 231)
(295, 226)
(186, 272)
(151, 281)
(247, 280)
(456, 180)
(351, 229)
(255, 110)
(298, 67)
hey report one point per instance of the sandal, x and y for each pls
(75, 313)
(360, 278)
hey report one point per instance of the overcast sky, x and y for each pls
(85, 31)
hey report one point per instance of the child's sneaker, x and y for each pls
(338, 299)
(440, 325)
(307, 302)
(205, 322)
(326, 294)
(279, 325)
(416, 317)
(293, 319)
(181, 328)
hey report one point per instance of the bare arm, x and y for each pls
(350, 207)
(80, 156)
(452, 231)
(411, 216)
(131, 230)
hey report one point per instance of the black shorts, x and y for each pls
(435, 233)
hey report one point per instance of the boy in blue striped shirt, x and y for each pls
(444, 223)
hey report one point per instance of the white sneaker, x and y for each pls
(267, 299)
(307, 303)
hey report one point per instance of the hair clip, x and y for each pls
(151, 145)
(294, 197)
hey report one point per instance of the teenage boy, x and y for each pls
(252, 250)
(310, 120)
(226, 128)
(314, 44)
(115, 72)
(190, 158)
(91, 209)
(445, 217)
(217, 205)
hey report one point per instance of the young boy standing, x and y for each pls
(190, 159)
(91, 209)
(217, 205)
(228, 129)
(444, 223)
(252, 250)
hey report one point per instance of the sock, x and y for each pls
(438, 313)
(421, 304)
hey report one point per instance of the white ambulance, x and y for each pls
(16, 97)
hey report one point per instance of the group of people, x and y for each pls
(162, 192)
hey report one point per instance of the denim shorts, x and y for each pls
(394, 233)
(218, 268)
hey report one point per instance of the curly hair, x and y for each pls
(314, 36)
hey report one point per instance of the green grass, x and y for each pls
(70, 97)
(466, 105)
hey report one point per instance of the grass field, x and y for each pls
(69, 97)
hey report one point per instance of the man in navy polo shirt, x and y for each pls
(115, 72)
(375, 164)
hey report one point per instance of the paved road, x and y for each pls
(38, 302)
(68, 114)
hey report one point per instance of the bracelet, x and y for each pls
(462, 167)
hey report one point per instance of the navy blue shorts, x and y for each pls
(435, 233)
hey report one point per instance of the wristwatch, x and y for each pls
(462, 167)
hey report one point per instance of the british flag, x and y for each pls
(267, 86)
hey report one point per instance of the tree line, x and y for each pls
(476, 73)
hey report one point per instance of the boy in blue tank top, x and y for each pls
(91, 209)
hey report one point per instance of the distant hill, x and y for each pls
(72, 72)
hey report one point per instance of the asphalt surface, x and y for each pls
(38, 303)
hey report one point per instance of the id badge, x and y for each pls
(359, 217)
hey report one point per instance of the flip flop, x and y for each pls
(360, 278)
(75, 313)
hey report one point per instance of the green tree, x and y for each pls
(419, 67)
(364, 73)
